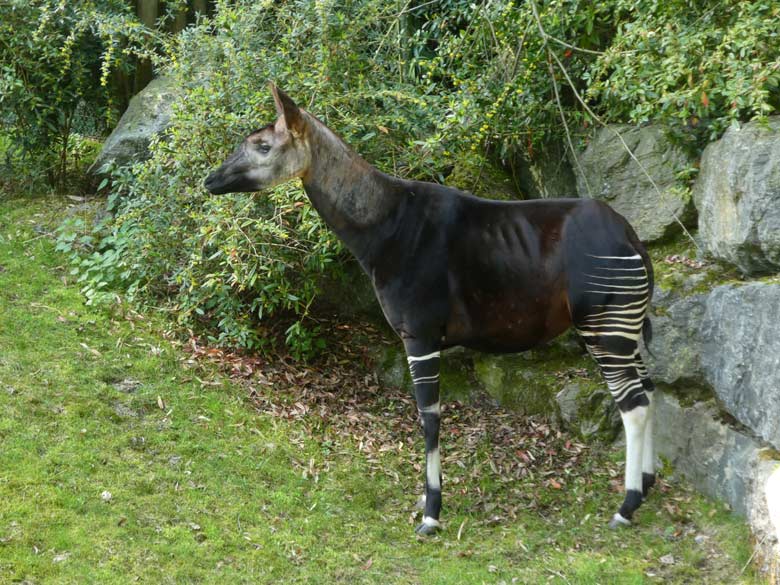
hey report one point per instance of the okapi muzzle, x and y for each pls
(450, 269)
(235, 175)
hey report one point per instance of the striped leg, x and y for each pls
(611, 316)
(617, 365)
(648, 452)
(424, 367)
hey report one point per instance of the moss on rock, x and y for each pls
(528, 381)
(478, 175)
(677, 272)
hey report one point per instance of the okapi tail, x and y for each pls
(647, 334)
(647, 325)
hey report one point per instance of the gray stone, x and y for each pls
(610, 174)
(737, 194)
(147, 115)
(725, 343)
(740, 355)
(719, 461)
(675, 350)
(568, 403)
(544, 172)
(589, 411)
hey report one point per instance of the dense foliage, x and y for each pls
(57, 61)
(417, 88)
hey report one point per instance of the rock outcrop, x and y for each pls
(675, 352)
(726, 342)
(740, 354)
(147, 115)
(723, 463)
(737, 195)
(610, 174)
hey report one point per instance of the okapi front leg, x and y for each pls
(424, 367)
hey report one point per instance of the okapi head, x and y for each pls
(267, 157)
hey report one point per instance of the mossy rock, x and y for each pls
(681, 278)
(527, 381)
(457, 371)
(587, 409)
(483, 178)
(530, 381)
(517, 381)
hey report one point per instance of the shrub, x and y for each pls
(55, 58)
(691, 65)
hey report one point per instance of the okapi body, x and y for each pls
(451, 269)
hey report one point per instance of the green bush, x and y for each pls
(692, 65)
(57, 59)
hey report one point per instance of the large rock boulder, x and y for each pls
(148, 115)
(740, 354)
(675, 350)
(737, 194)
(723, 463)
(610, 174)
(723, 343)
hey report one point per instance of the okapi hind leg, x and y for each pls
(424, 367)
(615, 356)
(648, 452)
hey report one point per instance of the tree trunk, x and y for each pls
(200, 7)
(147, 11)
(179, 21)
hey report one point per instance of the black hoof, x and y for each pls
(427, 529)
(648, 481)
(619, 522)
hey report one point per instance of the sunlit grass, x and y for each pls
(118, 465)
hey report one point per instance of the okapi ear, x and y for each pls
(287, 111)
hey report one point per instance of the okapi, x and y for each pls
(452, 269)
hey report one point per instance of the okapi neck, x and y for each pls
(353, 197)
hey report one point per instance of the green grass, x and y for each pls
(206, 489)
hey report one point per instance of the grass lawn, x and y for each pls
(124, 460)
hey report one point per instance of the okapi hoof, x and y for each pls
(648, 481)
(618, 522)
(429, 527)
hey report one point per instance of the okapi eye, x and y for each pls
(264, 148)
